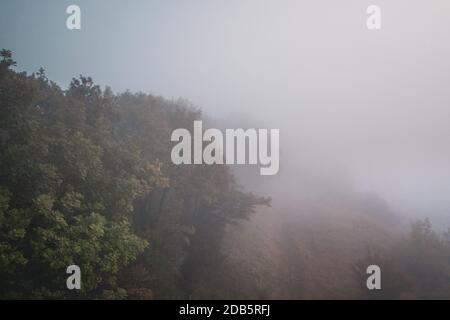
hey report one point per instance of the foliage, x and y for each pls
(86, 179)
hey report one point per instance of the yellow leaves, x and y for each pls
(152, 177)
(72, 201)
(44, 203)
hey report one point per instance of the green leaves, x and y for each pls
(7, 60)
(13, 224)
(86, 179)
(61, 202)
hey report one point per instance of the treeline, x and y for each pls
(86, 179)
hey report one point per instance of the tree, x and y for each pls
(86, 179)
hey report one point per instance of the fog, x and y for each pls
(370, 106)
(364, 123)
(373, 105)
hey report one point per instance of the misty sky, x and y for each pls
(375, 103)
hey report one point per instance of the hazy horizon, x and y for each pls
(373, 106)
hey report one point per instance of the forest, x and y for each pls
(86, 178)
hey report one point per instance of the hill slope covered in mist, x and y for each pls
(86, 179)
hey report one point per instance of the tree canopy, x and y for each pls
(86, 179)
